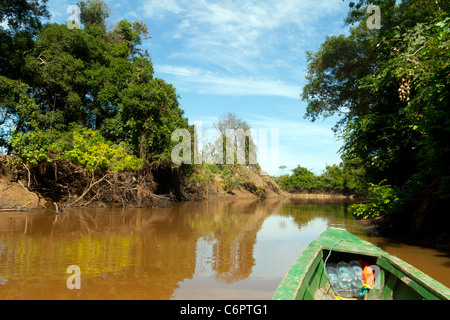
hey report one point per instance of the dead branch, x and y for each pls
(87, 190)
(29, 174)
(28, 191)
(40, 59)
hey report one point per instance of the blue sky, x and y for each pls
(246, 57)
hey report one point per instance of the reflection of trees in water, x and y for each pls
(121, 255)
(233, 260)
(304, 211)
(240, 222)
(138, 253)
(231, 227)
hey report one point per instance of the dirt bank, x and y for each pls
(15, 193)
(59, 185)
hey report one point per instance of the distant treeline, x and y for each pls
(334, 179)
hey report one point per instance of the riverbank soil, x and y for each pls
(14, 192)
(61, 184)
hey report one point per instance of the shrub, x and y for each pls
(79, 145)
(230, 181)
(383, 199)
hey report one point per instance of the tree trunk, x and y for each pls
(142, 140)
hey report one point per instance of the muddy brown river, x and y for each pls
(238, 249)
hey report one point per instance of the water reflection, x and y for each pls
(198, 250)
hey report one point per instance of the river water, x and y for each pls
(199, 250)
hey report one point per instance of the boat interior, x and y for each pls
(391, 282)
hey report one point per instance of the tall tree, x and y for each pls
(391, 88)
(23, 15)
(20, 20)
(96, 77)
(236, 140)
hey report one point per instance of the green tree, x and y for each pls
(20, 21)
(79, 145)
(96, 77)
(23, 15)
(333, 177)
(93, 15)
(63, 72)
(18, 109)
(148, 114)
(393, 98)
(301, 177)
(382, 200)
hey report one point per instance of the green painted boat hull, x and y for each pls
(396, 279)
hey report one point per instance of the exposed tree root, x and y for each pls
(65, 185)
(72, 186)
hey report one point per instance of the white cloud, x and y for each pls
(158, 9)
(214, 83)
(300, 132)
(246, 34)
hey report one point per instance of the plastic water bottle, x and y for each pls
(356, 275)
(332, 275)
(356, 272)
(345, 280)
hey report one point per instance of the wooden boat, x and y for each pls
(394, 279)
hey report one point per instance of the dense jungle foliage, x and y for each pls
(78, 93)
(391, 88)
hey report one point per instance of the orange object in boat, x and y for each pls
(367, 273)
(368, 276)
